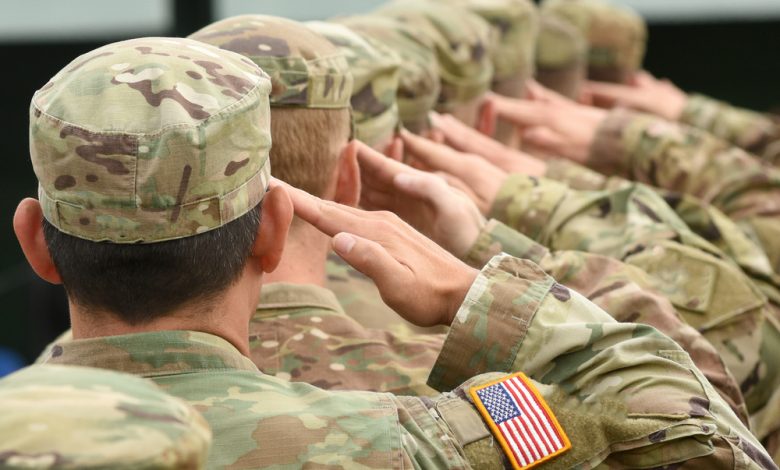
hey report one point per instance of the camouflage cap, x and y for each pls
(616, 35)
(516, 24)
(462, 41)
(375, 70)
(76, 417)
(561, 56)
(306, 69)
(151, 139)
(419, 84)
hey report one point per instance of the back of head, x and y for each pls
(310, 96)
(462, 41)
(375, 70)
(616, 35)
(561, 56)
(76, 417)
(158, 148)
(419, 84)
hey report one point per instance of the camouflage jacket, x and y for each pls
(626, 395)
(301, 333)
(757, 133)
(635, 225)
(689, 161)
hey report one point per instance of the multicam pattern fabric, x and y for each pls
(626, 292)
(306, 70)
(375, 70)
(635, 225)
(516, 24)
(561, 56)
(626, 395)
(75, 417)
(106, 174)
(616, 35)
(755, 132)
(463, 43)
(419, 82)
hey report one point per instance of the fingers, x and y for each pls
(432, 155)
(395, 149)
(368, 257)
(521, 113)
(610, 93)
(328, 217)
(544, 140)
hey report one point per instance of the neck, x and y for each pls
(303, 261)
(226, 316)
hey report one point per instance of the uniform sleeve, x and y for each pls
(495, 237)
(690, 161)
(624, 394)
(747, 129)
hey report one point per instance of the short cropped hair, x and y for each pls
(306, 145)
(142, 282)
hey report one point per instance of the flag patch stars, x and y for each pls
(521, 421)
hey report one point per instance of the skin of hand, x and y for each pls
(423, 200)
(551, 124)
(482, 177)
(416, 277)
(645, 93)
(466, 139)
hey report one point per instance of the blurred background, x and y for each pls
(724, 48)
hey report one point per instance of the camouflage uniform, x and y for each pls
(463, 43)
(561, 56)
(419, 84)
(757, 133)
(75, 417)
(635, 225)
(625, 394)
(375, 70)
(616, 35)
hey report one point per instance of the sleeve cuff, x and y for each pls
(609, 154)
(492, 322)
(575, 175)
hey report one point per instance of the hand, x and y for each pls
(551, 124)
(415, 276)
(482, 177)
(423, 200)
(466, 139)
(646, 93)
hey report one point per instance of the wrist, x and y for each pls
(457, 292)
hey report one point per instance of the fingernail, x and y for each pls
(343, 243)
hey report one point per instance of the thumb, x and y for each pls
(368, 257)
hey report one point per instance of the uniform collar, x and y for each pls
(281, 295)
(152, 354)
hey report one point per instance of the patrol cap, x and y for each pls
(462, 42)
(306, 70)
(151, 139)
(561, 56)
(616, 35)
(419, 84)
(375, 71)
(516, 24)
(55, 416)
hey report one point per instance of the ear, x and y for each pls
(348, 177)
(277, 214)
(28, 227)
(486, 120)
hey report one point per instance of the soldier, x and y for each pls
(77, 417)
(163, 266)
(561, 56)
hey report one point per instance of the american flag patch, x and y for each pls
(520, 420)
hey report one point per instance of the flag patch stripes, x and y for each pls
(520, 420)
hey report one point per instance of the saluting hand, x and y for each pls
(416, 277)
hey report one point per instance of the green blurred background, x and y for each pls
(723, 48)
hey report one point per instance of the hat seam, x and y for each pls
(159, 131)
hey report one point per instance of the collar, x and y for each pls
(282, 295)
(152, 354)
